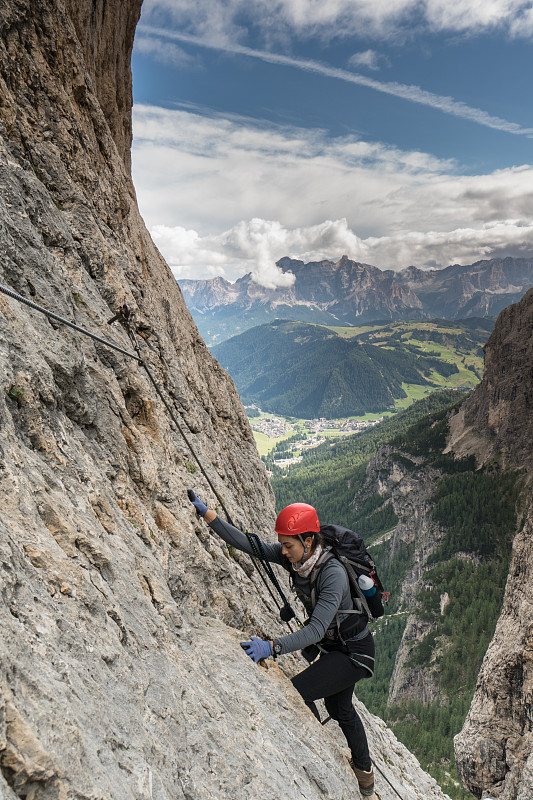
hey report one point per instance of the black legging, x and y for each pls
(333, 677)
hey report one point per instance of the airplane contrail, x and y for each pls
(411, 93)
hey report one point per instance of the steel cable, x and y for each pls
(124, 317)
(10, 293)
(140, 360)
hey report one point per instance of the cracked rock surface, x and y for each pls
(494, 748)
(121, 675)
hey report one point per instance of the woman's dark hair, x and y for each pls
(317, 538)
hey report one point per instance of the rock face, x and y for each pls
(410, 491)
(497, 421)
(481, 289)
(121, 675)
(494, 748)
(347, 292)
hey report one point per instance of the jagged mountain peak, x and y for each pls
(350, 292)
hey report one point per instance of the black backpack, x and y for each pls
(349, 548)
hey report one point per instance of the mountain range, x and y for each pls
(347, 292)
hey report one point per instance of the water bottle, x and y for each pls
(367, 585)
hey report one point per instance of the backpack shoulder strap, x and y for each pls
(358, 606)
(359, 600)
(354, 584)
(324, 558)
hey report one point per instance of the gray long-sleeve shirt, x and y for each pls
(332, 588)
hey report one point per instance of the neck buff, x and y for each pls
(303, 568)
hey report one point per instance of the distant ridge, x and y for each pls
(346, 292)
(307, 371)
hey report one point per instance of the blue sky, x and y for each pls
(397, 132)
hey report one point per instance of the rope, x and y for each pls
(286, 613)
(278, 605)
(257, 546)
(184, 437)
(31, 304)
(124, 316)
(388, 781)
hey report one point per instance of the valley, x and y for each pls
(308, 371)
(291, 435)
(440, 531)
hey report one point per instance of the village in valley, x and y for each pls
(301, 434)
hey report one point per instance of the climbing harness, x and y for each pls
(124, 316)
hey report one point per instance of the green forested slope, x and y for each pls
(477, 512)
(307, 371)
(330, 475)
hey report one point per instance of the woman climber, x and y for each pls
(334, 629)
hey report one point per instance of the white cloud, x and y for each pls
(253, 246)
(162, 51)
(522, 26)
(462, 245)
(474, 15)
(224, 20)
(224, 196)
(409, 92)
(207, 173)
(368, 58)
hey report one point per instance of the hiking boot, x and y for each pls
(365, 781)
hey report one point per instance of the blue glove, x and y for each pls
(257, 649)
(200, 507)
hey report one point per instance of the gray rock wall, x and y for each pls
(494, 748)
(410, 492)
(121, 675)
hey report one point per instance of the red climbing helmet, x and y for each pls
(296, 519)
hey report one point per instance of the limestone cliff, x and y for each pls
(494, 749)
(121, 676)
(408, 484)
